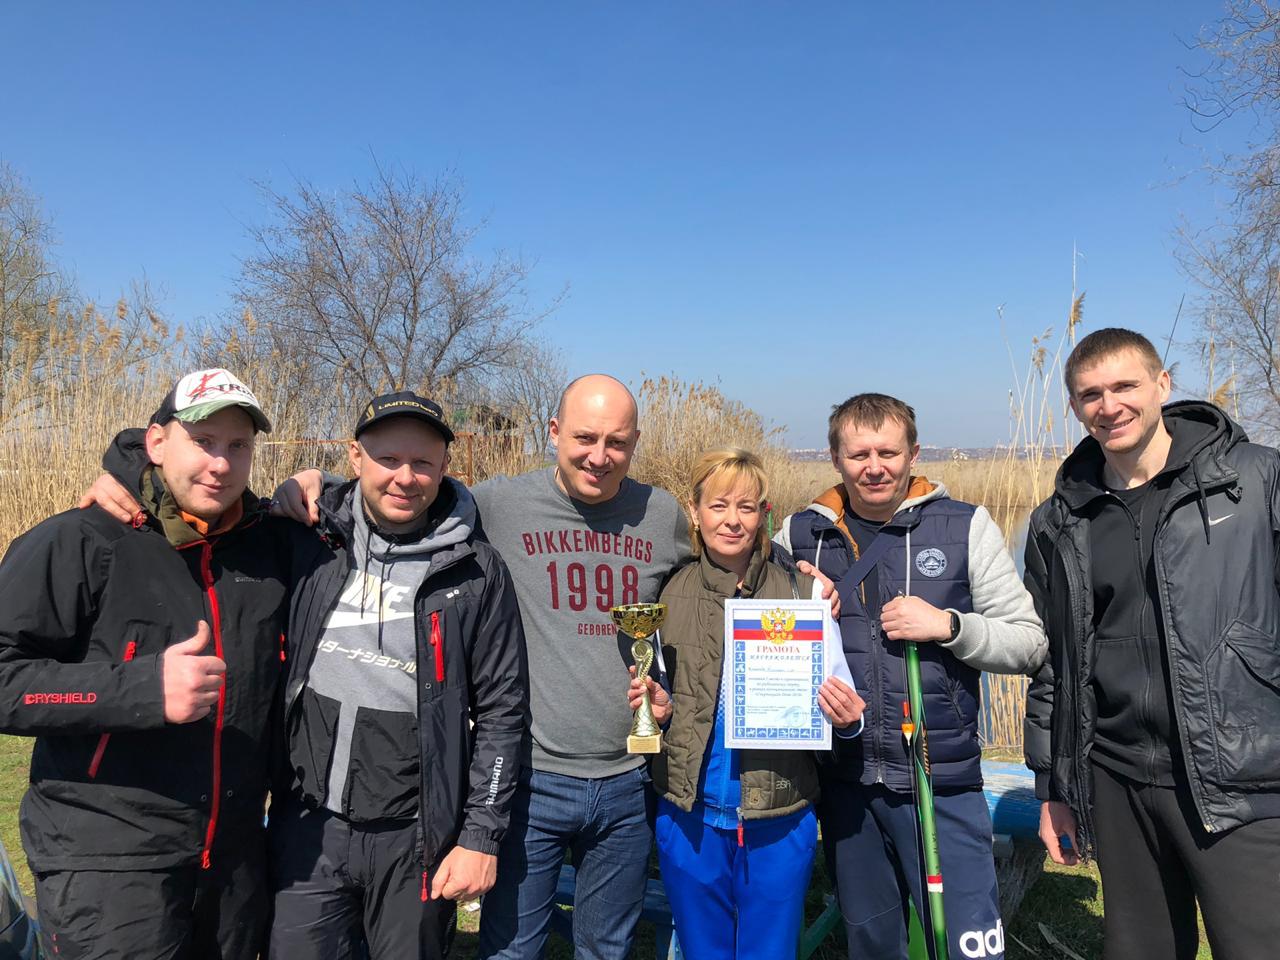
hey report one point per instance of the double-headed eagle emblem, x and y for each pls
(778, 625)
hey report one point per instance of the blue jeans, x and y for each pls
(605, 826)
(734, 902)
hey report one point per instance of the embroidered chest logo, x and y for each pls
(931, 562)
(778, 625)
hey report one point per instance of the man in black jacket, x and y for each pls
(1154, 726)
(405, 704)
(145, 659)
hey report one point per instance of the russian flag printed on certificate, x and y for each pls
(776, 657)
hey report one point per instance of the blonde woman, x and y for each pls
(736, 829)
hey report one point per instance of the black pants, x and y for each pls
(1157, 862)
(339, 885)
(183, 913)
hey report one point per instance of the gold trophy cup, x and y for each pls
(640, 621)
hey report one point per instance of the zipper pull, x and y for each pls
(204, 860)
(130, 649)
(424, 886)
(437, 645)
(739, 826)
(282, 657)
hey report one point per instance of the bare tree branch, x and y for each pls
(377, 284)
(1236, 262)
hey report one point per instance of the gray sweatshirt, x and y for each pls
(570, 562)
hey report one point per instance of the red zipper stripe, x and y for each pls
(437, 644)
(206, 569)
(130, 649)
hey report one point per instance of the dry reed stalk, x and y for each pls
(680, 420)
(69, 385)
(1042, 431)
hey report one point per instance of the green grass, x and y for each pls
(15, 758)
(1067, 900)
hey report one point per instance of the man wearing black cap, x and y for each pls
(405, 704)
(145, 658)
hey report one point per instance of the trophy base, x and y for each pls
(650, 744)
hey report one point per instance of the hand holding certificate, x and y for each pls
(842, 706)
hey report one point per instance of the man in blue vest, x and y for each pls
(936, 572)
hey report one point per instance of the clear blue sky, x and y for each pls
(799, 200)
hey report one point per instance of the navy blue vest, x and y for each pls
(930, 544)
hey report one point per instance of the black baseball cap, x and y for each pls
(403, 404)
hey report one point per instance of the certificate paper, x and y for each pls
(776, 654)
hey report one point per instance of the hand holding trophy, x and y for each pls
(640, 621)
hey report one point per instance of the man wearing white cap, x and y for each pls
(145, 658)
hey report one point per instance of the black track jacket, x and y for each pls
(473, 684)
(1215, 549)
(88, 606)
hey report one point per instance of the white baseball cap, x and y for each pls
(201, 394)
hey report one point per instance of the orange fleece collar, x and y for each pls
(836, 499)
(228, 520)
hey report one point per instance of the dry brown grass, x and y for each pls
(85, 377)
(679, 421)
(998, 483)
(73, 383)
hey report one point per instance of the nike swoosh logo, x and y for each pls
(1214, 521)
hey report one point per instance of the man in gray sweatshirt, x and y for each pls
(579, 538)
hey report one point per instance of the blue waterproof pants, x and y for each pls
(735, 902)
(869, 835)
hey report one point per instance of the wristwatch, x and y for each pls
(955, 624)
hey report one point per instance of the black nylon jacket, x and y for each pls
(88, 606)
(1215, 550)
(475, 671)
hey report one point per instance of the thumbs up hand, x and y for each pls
(191, 681)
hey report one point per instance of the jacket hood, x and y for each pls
(451, 520)
(1201, 434)
(126, 459)
(833, 504)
